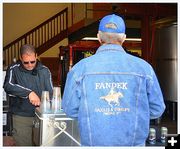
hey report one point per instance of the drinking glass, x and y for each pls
(57, 99)
(45, 102)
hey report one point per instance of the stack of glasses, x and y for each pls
(51, 105)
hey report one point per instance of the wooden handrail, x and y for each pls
(39, 36)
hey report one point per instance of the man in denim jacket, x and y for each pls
(112, 94)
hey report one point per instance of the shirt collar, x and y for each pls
(110, 47)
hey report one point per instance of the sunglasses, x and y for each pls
(26, 63)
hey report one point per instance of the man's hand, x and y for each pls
(34, 99)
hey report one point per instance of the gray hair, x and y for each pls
(26, 49)
(109, 38)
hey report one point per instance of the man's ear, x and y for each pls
(99, 39)
(123, 38)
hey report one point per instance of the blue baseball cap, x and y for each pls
(112, 24)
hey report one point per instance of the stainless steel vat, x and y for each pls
(166, 60)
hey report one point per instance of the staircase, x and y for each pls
(43, 37)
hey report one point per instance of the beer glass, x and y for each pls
(56, 99)
(45, 106)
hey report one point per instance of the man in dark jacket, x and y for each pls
(24, 83)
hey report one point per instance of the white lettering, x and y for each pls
(119, 85)
(97, 85)
(111, 111)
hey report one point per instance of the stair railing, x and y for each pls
(38, 36)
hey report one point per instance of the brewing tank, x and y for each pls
(166, 59)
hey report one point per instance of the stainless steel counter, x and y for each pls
(55, 130)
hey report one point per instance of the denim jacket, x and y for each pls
(113, 95)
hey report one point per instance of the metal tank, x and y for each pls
(166, 62)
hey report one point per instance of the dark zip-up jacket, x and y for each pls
(19, 83)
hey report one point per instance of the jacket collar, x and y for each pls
(110, 47)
